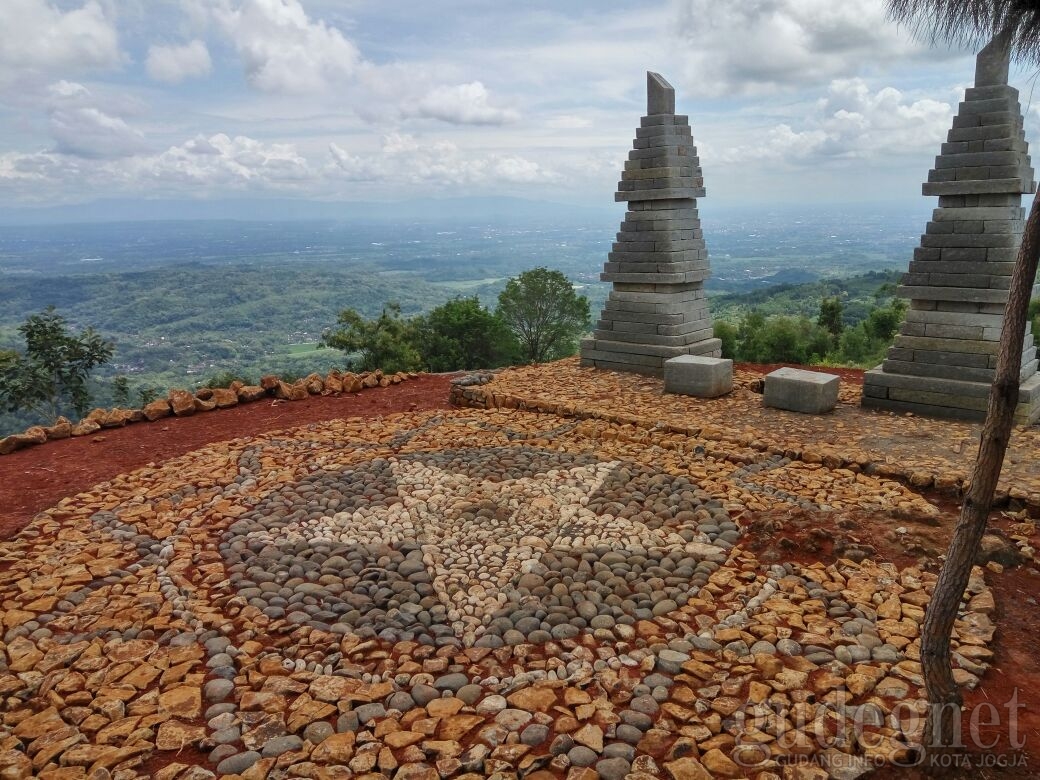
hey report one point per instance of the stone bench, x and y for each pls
(797, 390)
(704, 377)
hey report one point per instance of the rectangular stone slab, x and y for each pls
(703, 377)
(797, 390)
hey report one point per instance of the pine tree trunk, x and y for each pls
(943, 696)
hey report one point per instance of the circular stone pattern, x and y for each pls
(484, 546)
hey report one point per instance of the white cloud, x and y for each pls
(284, 50)
(217, 164)
(851, 122)
(173, 64)
(36, 37)
(464, 104)
(757, 47)
(220, 161)
(81, 128)
(406, 159)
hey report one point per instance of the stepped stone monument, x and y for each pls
(656, 309)
(943, 360)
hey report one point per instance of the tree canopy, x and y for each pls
(387, 342)
(545, 314)
(50, 376)
(459, 334)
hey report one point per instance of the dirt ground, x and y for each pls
(34, 479)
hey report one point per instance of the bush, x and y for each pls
(388, 342)
(462, 334)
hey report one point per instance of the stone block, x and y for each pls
(798, 390)
(703, 377)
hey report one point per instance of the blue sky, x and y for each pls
(801, 101)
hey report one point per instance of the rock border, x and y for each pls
(185, 403)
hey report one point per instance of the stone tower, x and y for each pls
(943, 360)
(656, 309)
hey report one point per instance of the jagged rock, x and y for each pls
(18, 441)
(269, 382)
(333, 384)
(204, 406)
(352, 383)
(97, 415)
(182, 402)
(205, 393)
(287, 392)
(62, 429)
(248, 393)
(224, 398)
(314, 384)
(156, 410)
(996, 548)
(85, 428)
(115, 418)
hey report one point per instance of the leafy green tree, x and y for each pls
(782, 341)
(542, 310)
(883, 322)
(463, 334)
(121, 390)
(727, 332)
(51, 375)
(387, 342)
(749, 337)
(831, 316)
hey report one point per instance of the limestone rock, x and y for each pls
(176, 734)
(204, 405)
(224, 398)
(249, 393)
(18, 441)
(62, 429)
(182, 403)
(157, 409)
(85, 428)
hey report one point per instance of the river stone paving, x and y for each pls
(458, 594)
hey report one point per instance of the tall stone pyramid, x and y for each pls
(656, 309)
(943, 360)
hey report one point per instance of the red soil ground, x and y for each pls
(36, 478)
(33, 479)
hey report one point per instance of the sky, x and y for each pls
(790, 101)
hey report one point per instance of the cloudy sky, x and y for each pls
(790, 100)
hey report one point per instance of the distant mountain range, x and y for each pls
(501, 210)
(253, 210)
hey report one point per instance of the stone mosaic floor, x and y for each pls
(459, 594)
(927, 452)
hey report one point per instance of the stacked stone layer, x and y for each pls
(657, 308)
(944, 358)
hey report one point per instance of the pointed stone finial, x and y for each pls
(660, 95)
(993, 63)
